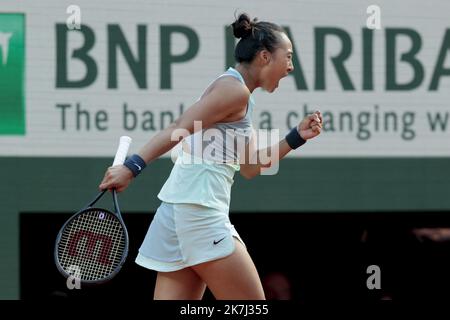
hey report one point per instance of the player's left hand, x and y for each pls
(310, 126)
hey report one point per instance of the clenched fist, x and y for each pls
(310, 126)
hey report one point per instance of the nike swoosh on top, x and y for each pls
(138, 166)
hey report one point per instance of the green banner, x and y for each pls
(12, 74)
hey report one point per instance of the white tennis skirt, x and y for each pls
(182, 235)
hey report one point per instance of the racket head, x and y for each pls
(92, 246)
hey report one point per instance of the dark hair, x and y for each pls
(255, 36)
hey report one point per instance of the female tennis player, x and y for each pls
(191, 242)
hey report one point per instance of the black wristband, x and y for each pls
(294, 139)
(135, 163)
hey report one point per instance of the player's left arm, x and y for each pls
(310, 127)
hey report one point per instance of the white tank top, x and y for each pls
(205, 175)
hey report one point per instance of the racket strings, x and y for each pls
(92, 245)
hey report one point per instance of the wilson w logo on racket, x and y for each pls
(91, 241)
(94, 241)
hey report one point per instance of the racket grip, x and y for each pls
(122, 150)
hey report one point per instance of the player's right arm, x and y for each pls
(227, 97)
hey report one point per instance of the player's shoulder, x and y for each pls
(229, 86)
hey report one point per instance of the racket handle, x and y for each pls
(122, 150)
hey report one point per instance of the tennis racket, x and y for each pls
(93, 244)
